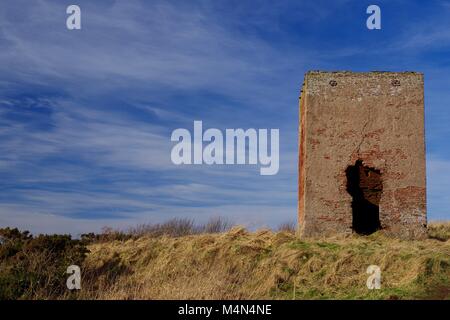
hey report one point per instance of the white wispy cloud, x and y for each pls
(129, 43)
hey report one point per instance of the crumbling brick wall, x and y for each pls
(376, 119)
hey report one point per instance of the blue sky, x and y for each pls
(86, 115)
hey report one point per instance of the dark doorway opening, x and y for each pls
(365, 186)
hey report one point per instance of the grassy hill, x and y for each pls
(276, 265)
(238, 264)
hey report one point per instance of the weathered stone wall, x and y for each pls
(375, 117)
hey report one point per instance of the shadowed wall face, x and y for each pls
(362, 154)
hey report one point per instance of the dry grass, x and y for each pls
(439, 230)
(238, 264)
(290, 226)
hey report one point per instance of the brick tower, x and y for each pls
(362, 154)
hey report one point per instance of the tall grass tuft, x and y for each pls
(289, 226)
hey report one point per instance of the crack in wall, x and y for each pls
(364, 135)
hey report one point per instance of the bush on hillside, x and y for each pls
(33, 267)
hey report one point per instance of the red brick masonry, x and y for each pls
(376, 118)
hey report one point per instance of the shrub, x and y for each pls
(176, 227)
(216, 225)
(33, 267)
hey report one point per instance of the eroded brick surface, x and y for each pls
(374, 117)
